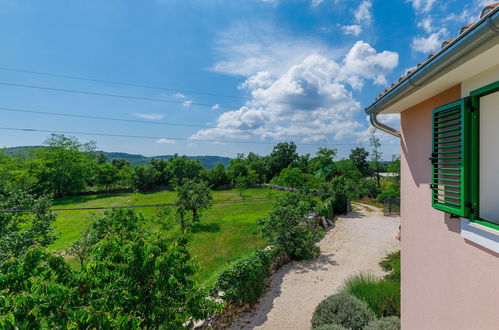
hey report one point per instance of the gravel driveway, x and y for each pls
(357, 243)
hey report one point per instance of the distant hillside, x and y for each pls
(207, 161)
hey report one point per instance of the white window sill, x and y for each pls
(481, 235)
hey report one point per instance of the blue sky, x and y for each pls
(264, 70)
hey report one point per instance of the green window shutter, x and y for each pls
(450, 170)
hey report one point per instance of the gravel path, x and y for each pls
(357, 243)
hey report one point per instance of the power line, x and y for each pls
(134, 120)
(141, 98)
(159, 137)
(114, 82)
(129, 206)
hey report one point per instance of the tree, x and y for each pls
(65, 165)
(20, 231)
(192, 196)
(376, 154)
(119, 163)
(144, 177)
(217, 176)
(107, 174)
(358, 156)
(338, 191)
(293, 177)
(288, 226)
(101, 158)
(394, 167)
(283, 155)
(180, 168)
(322, 164)
(162, 166)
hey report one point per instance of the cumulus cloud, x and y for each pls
(429, 43)
(426, 24)
(165, 141)
(352, 29)
(309, 102)
(150, 116)
(215, 106)
(187, 103)
(179, 95)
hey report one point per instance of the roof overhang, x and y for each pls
(473, 51)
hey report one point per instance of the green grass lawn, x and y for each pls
(226, 232)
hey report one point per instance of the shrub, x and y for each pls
(385, 323)
(391, 192)
(339, 190)
(342, 309)
(368, 188)
(330, 327)
(391, 263)
(288, 226)
(244, 281)
(381, 295)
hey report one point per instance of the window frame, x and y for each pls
(474, 144)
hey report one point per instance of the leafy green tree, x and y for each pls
(144, 282)
(376, 154)
(217, 176)
(294, 177)
(283, 155)
(358, 157)
(65, 165)
(324, 158)
(101, 158)
(238, 168)
(192, 196)
(162, 166)
(394, 167)
(346, 167)
(144, 177)
(288, 226)
(107, 175)
(22, 230)
(180, 168)
(119, 163)
(338, 191)
(260, 165)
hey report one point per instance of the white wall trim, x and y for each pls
(481, 235)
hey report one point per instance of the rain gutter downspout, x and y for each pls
(479, 37)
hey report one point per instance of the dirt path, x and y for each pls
(357, 243)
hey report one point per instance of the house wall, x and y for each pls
(447, 281)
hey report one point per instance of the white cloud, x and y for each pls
(150, 116)
(248, 48)
(352, 29)
(363, 14)
(215, 106)
(426, 24)
(430, 43)
(308, 102)
(179, 95)
(187, 103)
(315, 3)
(165, 141)
(422, 6)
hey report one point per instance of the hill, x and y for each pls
(207, 161)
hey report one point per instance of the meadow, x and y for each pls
(227, 231)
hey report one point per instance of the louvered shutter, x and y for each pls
(450, 170)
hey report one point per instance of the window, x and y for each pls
(465, 157)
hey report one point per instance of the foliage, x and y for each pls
(122, 223)
(338, 190)
(330, 327)
(192, 196)
(346, 168)
(390, 192)
(21, 230)
(294, 177)
(391, 264)
(144, 177)
(217, 176)
(382, 296)
(358, 157)
(283, 154)
(107, 174)
(143, 282)
(385, 323)
(180, 168)
(322, 164)
(367, 188)
(342, 309)
(243, 282)
(64, 167)
(288, 226)
(376, 155)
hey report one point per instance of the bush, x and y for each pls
(368, 188)
(391, 263)
(243, 282)
(381, 295)
(342, 309)
(330, 327)
(391, 192)
(339, 190)
(288, 226)
(385, 323)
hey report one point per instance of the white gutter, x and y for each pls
(477, 38)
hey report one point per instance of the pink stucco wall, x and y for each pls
(447, 282)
